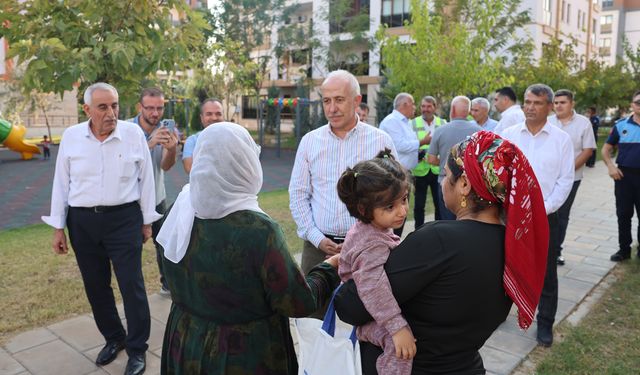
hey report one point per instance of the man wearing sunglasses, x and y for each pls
(625, 136)
(162, 142)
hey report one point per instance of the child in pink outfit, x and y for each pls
(375, 192)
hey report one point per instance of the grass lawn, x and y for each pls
(39, 287)
(607, 341)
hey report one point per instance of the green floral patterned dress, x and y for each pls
(232, 294)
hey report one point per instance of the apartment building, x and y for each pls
(567, 20)
(619, 20)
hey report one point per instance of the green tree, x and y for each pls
(457, 51)
(632, 58)
(603, 86)
(122, 42)
(240, 42)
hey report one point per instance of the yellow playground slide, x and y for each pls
(11, 136)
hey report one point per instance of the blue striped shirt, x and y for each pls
(321, 158)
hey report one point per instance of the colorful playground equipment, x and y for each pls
(11, 136)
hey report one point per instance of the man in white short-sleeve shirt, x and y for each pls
(579, 129)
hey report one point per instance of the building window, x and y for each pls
(395, 12)
(607, 3)
(605, 47)
(593, 32)
(563, 10)
(606, 23)
(568, 13)
(546, 12)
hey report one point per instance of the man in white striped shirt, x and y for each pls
(323, 154)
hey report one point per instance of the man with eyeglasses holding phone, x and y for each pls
(625, 136)
(163, 142)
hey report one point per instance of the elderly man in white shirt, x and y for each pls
(322, 156)
(584, 143)
(510, 112)
(397, 125)
(550, 153)
(104, 193)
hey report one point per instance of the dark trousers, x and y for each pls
(422, 184)
(155, 228)
(99, 241)
(627, 191)
(549, 298)
(445, 214)
(563, 215)
(47, 153)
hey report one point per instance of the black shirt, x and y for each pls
(447, 279)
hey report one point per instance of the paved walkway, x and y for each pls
(70, 347)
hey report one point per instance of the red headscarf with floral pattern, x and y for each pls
(500, 173)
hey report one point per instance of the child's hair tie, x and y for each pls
(355, 174)
(386, 156)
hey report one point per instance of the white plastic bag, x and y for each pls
(323, 349)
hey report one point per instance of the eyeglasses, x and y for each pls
(637, 102)
(151, 109)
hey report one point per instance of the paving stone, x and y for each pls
(564, 308)
(156, 336)
(80, 332)
(571, 258)
(499, 362)
(573, 290)
(29, 339)
(517, 344)
(8, 365)
(578, 245)
(598, 261)
(98, 372)
(160, 307)
(595, 241)
(511, 325)
(596, 236)
(55, 357)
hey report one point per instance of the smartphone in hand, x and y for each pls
(169, 124)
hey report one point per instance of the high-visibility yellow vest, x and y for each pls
(419, 127)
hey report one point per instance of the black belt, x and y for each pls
(336, 239)
(103, 209)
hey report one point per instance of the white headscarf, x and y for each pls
(226, 177)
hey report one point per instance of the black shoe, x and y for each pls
(560, 260)
(136, 364)
(620, 256)
(544, 336)
(109, 352)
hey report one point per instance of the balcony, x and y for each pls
(604, 51)
(606, 28)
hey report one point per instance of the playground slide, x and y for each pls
(11, 136)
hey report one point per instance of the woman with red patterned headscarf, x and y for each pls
(456, 280)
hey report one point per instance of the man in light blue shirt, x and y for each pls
(397, 125)
(480, 113)
(210, 113)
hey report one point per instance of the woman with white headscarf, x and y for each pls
(232, 280)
